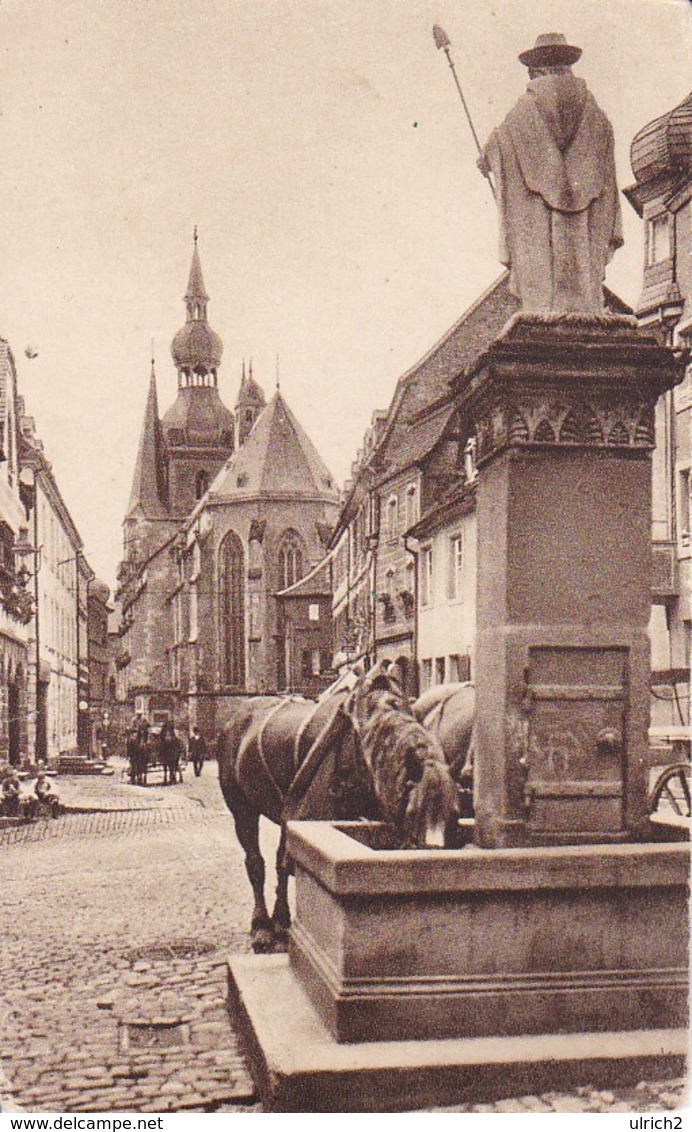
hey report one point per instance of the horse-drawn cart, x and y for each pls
(155, 751)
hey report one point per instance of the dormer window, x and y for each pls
(658, 239)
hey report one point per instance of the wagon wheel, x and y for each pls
(673, 788)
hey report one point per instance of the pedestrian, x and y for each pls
(44, 794)
(198, 750)
(11, 790)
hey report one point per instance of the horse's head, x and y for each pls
(412, 782)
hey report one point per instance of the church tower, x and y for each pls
(198, 428)
(248, 407)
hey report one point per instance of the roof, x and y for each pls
(250, 392)
(148, 482)
(457, 500)
(201, 413)
(195, 283)
(317, 582)
(428, 381)
(664, 146)
(278, 459)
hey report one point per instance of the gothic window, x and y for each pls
(232, 610)
(290, 560)
(201, 484)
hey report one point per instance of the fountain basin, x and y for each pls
(393, 944)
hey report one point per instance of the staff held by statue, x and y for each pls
(442, 42)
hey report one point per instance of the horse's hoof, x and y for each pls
(262, 941)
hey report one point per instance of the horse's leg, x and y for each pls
(247, 832)
(281, 916)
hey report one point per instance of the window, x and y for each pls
(392, 526)
(459, 668)
(425, 674)
(311, 663)
(426, 576)
(439, 670)
(456, 567)
(232, 610)
(201, 484)
(290, 560)
(684, 482)
(411, 505)
(658, 239)
(313, 612)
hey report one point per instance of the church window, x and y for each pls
(290, 560)
(232, 610)
(201, 484)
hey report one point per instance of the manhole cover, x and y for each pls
(176, 949)
(157, 1034)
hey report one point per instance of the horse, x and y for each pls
(355, 753)
(448, 711)
(170, 751)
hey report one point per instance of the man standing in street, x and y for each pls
(198, 750)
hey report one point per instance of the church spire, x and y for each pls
(148, 495)
(196, 297)
(196, 349)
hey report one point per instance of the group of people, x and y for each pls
(14, 802)
(169, 746)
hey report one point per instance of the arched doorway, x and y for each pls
(232, 611)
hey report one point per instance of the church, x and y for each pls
(227, 509)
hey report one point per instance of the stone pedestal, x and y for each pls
(563, 414)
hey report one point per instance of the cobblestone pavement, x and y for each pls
(116, 926)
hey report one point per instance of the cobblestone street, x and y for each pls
(116, 927)
(113, 921)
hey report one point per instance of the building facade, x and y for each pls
(661, 158)
(16, 596)
(58, 630)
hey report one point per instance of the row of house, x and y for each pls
(51, 604)
(246, 572)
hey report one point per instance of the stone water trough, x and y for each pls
(563, 964)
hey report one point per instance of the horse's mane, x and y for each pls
(398, 750)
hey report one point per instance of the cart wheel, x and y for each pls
(672, 789)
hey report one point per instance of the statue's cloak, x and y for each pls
(560, 220)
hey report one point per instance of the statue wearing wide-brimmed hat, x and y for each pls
(554, 170)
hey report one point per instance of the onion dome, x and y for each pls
(196, 348)
(664, 147)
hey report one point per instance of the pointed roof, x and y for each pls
(195, 284)
(278, 460)
(250, 393)
(148, 485)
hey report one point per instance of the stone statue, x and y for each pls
(555, 186)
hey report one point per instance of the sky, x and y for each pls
(321, 149)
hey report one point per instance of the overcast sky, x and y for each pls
(320, 148)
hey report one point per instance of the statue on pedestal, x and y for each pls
(555, 185)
